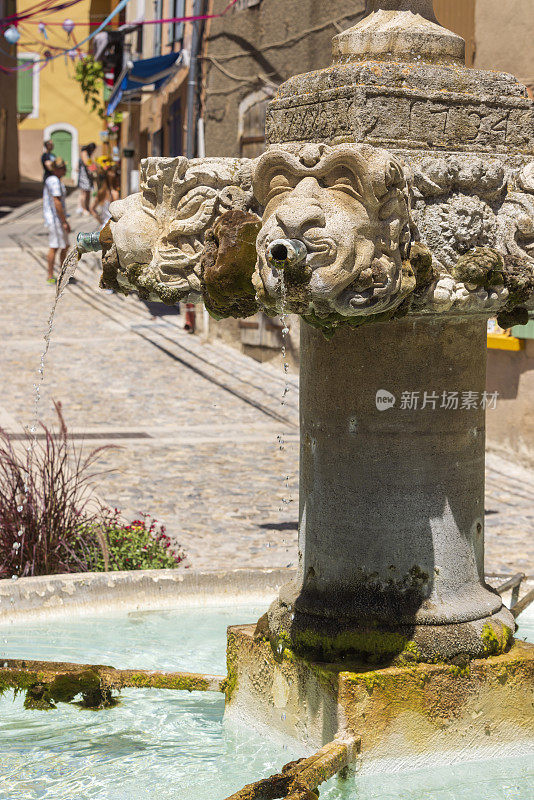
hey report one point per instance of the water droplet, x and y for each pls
(20, 508)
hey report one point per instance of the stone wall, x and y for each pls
(258, 48)
(503, 30)
(510, 428)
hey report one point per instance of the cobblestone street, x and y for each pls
(196, 424)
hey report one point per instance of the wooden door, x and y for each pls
(63, 148)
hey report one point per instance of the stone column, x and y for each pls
(391, 534)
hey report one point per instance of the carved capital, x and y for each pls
(350, 234)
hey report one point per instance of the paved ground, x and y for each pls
(198, 423)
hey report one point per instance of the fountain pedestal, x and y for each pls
(406, 717)
(391, 533)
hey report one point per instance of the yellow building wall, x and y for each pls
(60, 97)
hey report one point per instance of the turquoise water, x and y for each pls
(160, 745)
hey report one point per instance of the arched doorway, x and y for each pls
(63, 148)
(65, 138)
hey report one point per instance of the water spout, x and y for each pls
(89, 242)
(286, 252)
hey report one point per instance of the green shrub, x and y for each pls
(141, 544)
(49, 521)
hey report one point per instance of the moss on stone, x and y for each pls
(38, 699)
(422, 265)
(496, 641)
(228, 263)
(482, 266)
(44, 691)
(376, 646)
(176, 681)
(229, 685)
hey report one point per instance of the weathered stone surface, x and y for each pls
(407, 100)
(401, 713)
(370, 208)
(395, 32)
(228, 264)
(348, 205)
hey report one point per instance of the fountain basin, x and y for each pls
(164, 743)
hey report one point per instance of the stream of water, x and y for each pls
(67, 270)
(286, 499)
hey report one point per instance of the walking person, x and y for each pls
(86, 172)
(54, 212)
(108, 193)
(48, 158)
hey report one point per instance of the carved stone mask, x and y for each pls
(159, 232)
(345, 211)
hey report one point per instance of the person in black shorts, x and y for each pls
(47, 159)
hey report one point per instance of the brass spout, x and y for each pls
(89, 242)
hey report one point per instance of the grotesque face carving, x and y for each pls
(159, 232)
(347, 205)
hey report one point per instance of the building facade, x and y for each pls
(50, 101)
(244, 56)
(154, 120)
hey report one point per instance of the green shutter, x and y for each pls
(24, 88)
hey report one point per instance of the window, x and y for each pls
(252, 112)
(157, 143)
(176, 29)
(175, 129)
(28, 86)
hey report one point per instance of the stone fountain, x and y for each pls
(394, 212)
